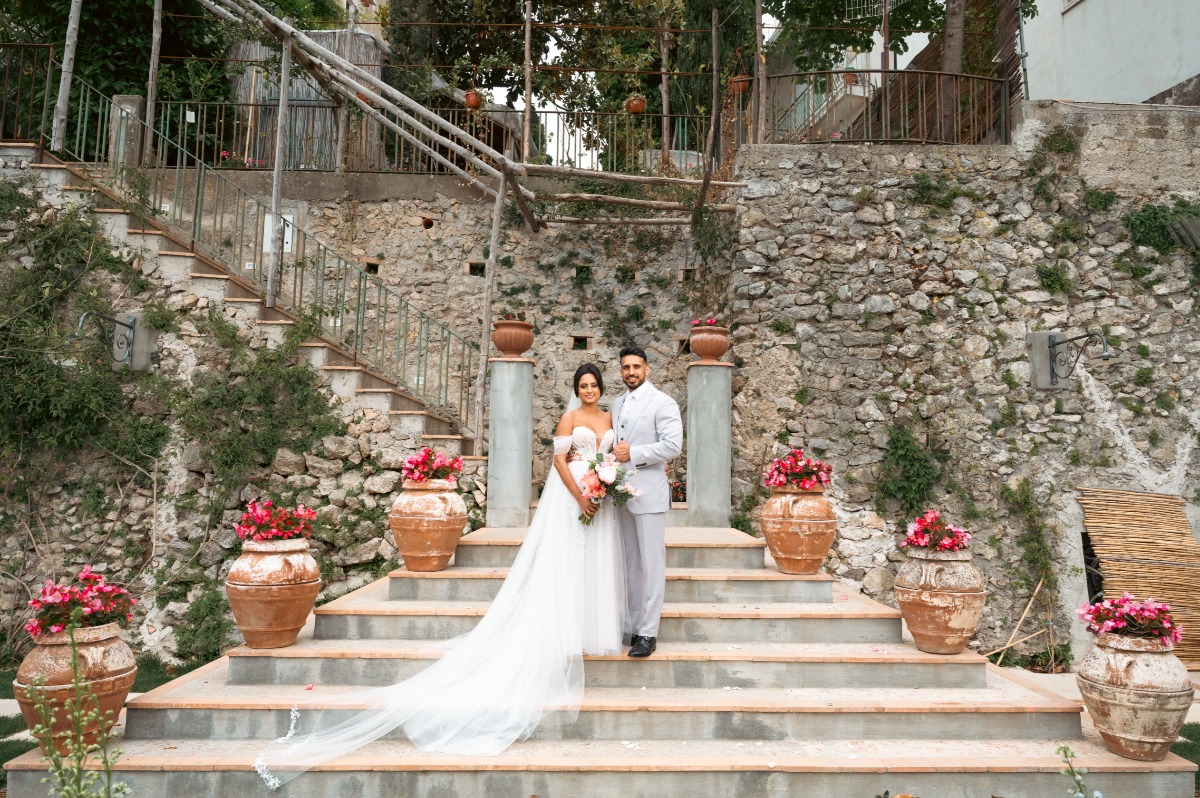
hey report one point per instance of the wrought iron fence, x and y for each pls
(201, 205)
(242, 136)
(866, 105)
(24, 89)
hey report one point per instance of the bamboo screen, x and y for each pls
(1146, 547)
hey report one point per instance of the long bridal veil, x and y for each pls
(492, 686)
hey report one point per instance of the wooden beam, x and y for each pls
(637, 220)
(712, 119)
(277, 237)
(59, 132)
(520, 200)
(525, 122)
(656, 205)
(152, 81)
(485, 337)
(616, 177)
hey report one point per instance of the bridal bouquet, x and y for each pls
(606, 479)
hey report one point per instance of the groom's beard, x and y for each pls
(633, 382)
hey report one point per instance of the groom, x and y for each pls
(649, 433)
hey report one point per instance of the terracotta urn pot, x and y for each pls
(427, 520)
(941, 596)
(709, 342)
(272, 588)
(513, 338)
(739, 83)
(635, 105)
(473, 100)
(1138, 694)
(800, 528)
(106, 664)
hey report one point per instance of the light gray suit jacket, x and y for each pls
(654, 430)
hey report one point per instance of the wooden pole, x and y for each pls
(59, 131)
(712, 118)
(616, 177)
(525, 123)
(343, 111)
(655, 205)
(485, 335)
(152, 81)
(760, 72)
(1020, 621)
(664, 91)
(285, 83)
(522, 206)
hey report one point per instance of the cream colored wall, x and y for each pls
(1111, 50)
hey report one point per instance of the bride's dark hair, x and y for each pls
(587, 368)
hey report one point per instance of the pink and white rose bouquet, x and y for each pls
(929, 531)
(1132, 618)
(606, 478)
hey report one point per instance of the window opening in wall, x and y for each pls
(625, 274)
(579, 342)
(371, 265)
(687, 275)
(477, 268)
(1091, 569)
(684, 346)
(426, 222)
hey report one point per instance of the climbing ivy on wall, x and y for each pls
(909, 472)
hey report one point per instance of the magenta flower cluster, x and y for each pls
(95, 602)
(1132, 618)
(428, 464)
(796, 469)
(264, 521)
(929, 531)
(705, 322)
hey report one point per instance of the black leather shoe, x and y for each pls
(634, 640)
(643, 647)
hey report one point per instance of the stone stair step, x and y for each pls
(663, 768)
(417, 422)
(687, 547)
(207, 707)
(368, 613)
(465, 583)
(450, 444)
(699, 665)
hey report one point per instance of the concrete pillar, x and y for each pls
(709, 443)
(124, 130)
(510, 442)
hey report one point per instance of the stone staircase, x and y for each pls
(181, 270)
(764, 684)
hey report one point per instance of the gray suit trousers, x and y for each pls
(644, 536)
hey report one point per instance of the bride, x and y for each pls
(564, 596)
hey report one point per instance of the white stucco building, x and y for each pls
(1127, 51)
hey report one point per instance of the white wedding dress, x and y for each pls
(564, 596)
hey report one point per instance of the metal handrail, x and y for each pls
(218, 219)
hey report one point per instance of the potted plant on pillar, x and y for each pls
(428, 517)
(90, 613)
(1136, 690)
(940, 593)
(709, 340)
(511, 334)
(272, 587)
(797, 521)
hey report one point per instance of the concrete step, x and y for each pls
(714, 666)
(464, 583)
(13, 153)
(207, 707)
(147, 241)
(662, 768)
(368, 614)
(114, 222)
(387, 399)
(687, 547)
(450, 444)
(175, 267)
(51, 176)
(417, 422)
(667, 769)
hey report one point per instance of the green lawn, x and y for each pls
(11, 749)
(153, 672)
(1190, 750)
(6, 679)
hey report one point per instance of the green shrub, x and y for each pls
(1099, 200)
(909, 472)
(1054, 278)
(205, 628)
(1069, 229)
(1151, 225)
(1144, 377)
